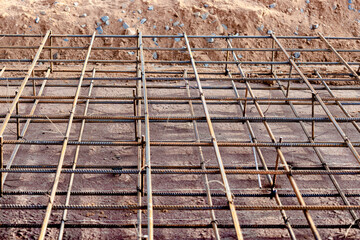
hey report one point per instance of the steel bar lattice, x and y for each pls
(113, 136)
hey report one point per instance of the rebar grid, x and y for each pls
(215, 139)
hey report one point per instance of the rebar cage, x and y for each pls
(112, 136)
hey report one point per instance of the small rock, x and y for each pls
(181, 25)
(67, 9)
(350, 7)
(239, 56)
(83, 26)
(130, 31)
(273, 5)
(154, 26)
(107, 22)
(66, 39)
(154, 39)
(206, 5)
(297, 54)
(143, 20)
(120, 20)
(197, 14)
(139, 11)
(301, 10)
(210, 40)
(177, 39)
(76, 4)
(131, 53)
(150, 8)
(224, 26)
(315, 26)
(205, 15)
(55, 55)
(260, 28)
(167, 28)
(296, 33)
(206, 65)
(123, 11)
(270, 32)
(37, 20)
(350, 1)
(307, 1)
(176, 23)
(100, 30)
(104, 18)
(42, 12)
(83, 15)
(155, 56)
(125, 25)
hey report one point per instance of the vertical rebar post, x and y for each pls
(17, 120)
(313, 115)
(51, 52)
(276, 166)
(1, 165)
(272, 56)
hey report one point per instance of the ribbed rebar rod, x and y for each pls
(176, 194)
(223, 99)
(147, 143)
(185, 207)
(76, 156)
(176, 171)
(214, 222)
(186, 143)
(174, 226)
(215, 145)
(338, 56)
(64, 146)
